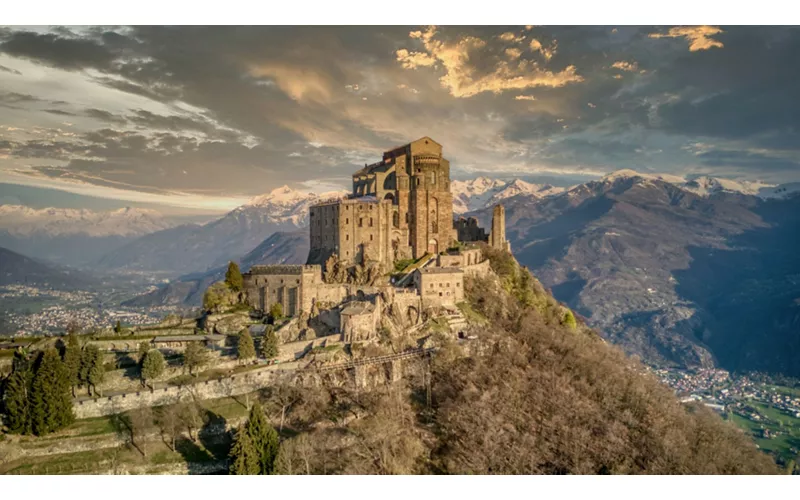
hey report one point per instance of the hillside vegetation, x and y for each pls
(544, 396)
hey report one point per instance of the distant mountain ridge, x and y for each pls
(633, 253)
(279, 248)
(18, 269)
(199, 248)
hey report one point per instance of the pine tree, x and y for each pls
(245, 349)
(152, 366)
(194, 357)
(233, 277)
(265, 439)
(51, 406)
(17, 401)
(72, 360)
(269, 344)
(118, 327)
(245, 460)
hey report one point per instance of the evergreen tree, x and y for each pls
(569, 320)
(72, 360)
(51, 406)
(144, 347)
(245, 349)
(269, 344)
(233, 277)
(244, 457)
(17, 401)
(118, 327)
(264, 437)
(152, 366)
(194, 357)
(92, 369)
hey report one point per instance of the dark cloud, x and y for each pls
(243, 109)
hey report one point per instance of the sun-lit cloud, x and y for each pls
(626, 66)
(525, 98)
(699, 36)
(463, 78)
(546, 51)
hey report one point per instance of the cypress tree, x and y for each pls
(245, 460)
(17, 401)
(233, 277)
(152, 366)
(51, 406)
(92, 369)
(72, 360)
(245, 349)
(269, 344)
(118, 327)
(265, 439)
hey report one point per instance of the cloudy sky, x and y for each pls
(204, 118)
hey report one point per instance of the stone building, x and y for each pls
(440, 285)
(359, 320)
(295, 287)
(400, 207)
(469, 230)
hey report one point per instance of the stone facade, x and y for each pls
(285, 285)
(440, 285)
(400, 207)
(497, 238)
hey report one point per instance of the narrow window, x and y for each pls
(370, 237)
(370, 221)
(360, 222)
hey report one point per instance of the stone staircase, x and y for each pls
(456, 321)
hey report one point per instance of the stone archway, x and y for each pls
(433, 246)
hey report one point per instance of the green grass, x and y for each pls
(780, 445)
(471, 314)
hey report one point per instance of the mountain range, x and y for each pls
(679, 273)
(74, 236)
(684, 272)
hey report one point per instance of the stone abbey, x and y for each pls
(401, 207)
(400, 210)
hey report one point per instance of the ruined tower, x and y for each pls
(497, 238)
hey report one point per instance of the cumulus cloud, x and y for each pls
(626, 66)
(464, 78)
(699, 37)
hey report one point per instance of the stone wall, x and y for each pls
(440, 286)
(211, 389)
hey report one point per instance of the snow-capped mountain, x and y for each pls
(481, 192)
(25, 221)
(73, 237)
(705, 185)
(285, 205)
(193, 248)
